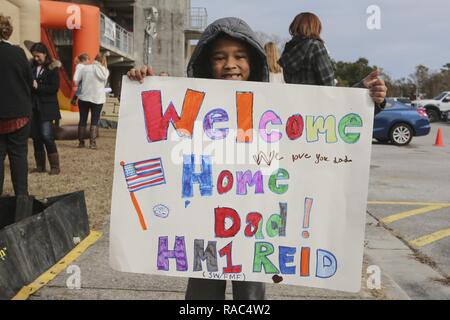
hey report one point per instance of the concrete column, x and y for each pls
(26, 18)
(167, 46)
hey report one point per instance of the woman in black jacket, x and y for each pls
(45, 107)
(15, 109)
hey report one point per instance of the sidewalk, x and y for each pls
(98, 281)
(408, 277)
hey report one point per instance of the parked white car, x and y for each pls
(436, 108)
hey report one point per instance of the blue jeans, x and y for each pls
(84, 107)
(43, 135)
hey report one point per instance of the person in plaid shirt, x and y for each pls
(305, 60)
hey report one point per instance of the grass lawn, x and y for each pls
(81, 169)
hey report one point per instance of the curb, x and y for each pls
(390, 288)
(60, 266)
(407, 278)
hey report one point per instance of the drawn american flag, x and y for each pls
(144, 174)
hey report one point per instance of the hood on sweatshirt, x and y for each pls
(101, 72)
(199, 64)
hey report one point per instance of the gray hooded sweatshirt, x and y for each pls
(199, 65)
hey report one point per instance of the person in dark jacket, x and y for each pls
(15, 109)
(45, 107)
(305, 60)
(228, 49)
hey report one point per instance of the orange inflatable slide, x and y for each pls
(84, 22)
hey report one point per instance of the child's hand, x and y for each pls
(140, 74)
(376, 86)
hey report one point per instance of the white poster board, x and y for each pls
(281, 200)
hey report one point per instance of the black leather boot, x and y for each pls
(81, 135)
(54, 164)
(93, 140)
(40, 162)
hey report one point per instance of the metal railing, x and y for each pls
(197, 19)
(114, 36)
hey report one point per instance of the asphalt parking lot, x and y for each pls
(409, 194)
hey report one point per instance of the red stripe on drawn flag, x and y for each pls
(144, 174)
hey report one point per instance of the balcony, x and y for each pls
(196, 22)
(113, 38)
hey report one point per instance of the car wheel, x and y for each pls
(401, 134)
(433, 115)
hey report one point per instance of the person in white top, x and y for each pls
(272, 53)
(81, 61)
(92, 96)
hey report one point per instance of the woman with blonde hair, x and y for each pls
(92, 97)
(272, 53)
(101, 58)
(80, 62)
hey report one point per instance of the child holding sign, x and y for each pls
(227, 50)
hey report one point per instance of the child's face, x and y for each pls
(230, 60)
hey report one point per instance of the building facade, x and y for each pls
(132, 33)
(143, 32)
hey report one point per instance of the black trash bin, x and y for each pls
(35, 235)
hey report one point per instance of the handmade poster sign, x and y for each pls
(242, 181)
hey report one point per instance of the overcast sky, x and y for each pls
(412, 31)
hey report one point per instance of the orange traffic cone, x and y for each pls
(439, 140)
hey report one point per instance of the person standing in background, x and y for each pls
(45, 107)
(81, 61)
(305, 60)
(92, 96)
(273, 55)
(15, 109)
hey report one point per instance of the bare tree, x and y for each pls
(420, 77)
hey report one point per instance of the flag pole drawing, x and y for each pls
(141, 175)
